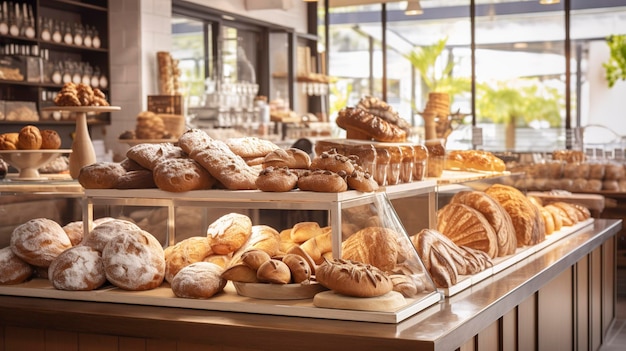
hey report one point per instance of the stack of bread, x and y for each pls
(437, 116)
(30, 138)
(373, 119)
(200, 162)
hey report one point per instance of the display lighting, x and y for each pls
(413, 8)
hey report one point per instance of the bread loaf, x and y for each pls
(199, 280)
(103, 232)
(13, 270)
(523, 213)
(39, 241)
(100, 175)
(377, 246)
(290, 158)
(353, 278)
(229, 233)
(369, 126)
(495, 214)
(183, 253)
(79, 268)
(467, 227)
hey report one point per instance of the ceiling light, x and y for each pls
(549, 2)
(413, 8)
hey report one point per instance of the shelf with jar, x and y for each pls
(68, 43)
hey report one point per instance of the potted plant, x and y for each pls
(615, 67)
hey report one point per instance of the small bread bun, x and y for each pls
(240, 272)
(100, 175)
(229, 232)
(362, 181)
(29, 138)
(75, 231)
(299, 267)
(274, 271)
(13, 270)
(303, 231)
(353, 278)
(199, 280)
(79, 268)
(255, 258)
(50, 139)
(332, 161)
(134, 261)
(39, 241)
(276, 179)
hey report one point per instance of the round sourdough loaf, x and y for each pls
(79, 268)
(13, 270)
(134, 261)
(39, 241)
(103, 232)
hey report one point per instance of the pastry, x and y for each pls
(495, 214)
(8, 141)
(79, 268)
(523, 213)
(276, 179)
(229, 233)
(13, 270)
(181, 174)
(134, 261)
(39, 241)
(322, 181)
(149, 126)
(100, 175)
(199, 280)
(466, 226)
(353, 278)
(50, 139)
(29, 138)
(383, 110)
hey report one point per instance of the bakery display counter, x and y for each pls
(567, 287)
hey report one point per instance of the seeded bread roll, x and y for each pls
(79, 268)
(353, 278)
(13, 270)
(134, 261)
(29, 138)
(276, 179)
(199, 280)
(332, 161)
(322, 181)
(39, 241)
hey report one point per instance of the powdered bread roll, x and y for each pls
(229, 232)
(353, 278)
(377, 246)
(134, 261)
(193, 139)
(100, 175)
(75, 231)
(180, 175)
(182, 254)
(13, 270)
(199, 280)
(103, 232)
(79, 268)
(39, 241)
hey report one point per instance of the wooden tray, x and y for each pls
(268, 291)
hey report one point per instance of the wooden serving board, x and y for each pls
(268, 291)
(389, 302)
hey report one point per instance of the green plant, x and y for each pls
(615, 67)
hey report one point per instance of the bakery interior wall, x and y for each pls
(138, 30)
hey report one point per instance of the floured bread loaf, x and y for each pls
(148, 155)
(13, 270)
(528, 229)
(466, 226)
(495, 214)
(224, 165)
(251, 147)
(181, 174)
(79, 268)
(353, 278)
(103, 232)
(39, 241)
(134, 261)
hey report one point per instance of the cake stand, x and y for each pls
(83, 153)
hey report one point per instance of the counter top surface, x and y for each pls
(438, 327)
